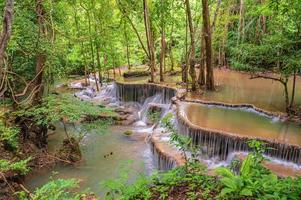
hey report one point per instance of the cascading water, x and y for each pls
(217, 147)
(163, 162)
(213, 144)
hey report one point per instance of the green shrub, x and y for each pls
(19, 166)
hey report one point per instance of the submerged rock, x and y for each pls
(128, 133)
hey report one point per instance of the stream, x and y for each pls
(104, 154)
(103, 158)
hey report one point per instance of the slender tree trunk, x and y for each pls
(171, 39)
(201, 78)
(207, 37)
(92, 50)
(133, 27)
(99, 65)
(150, 40)
(185, 66)
(41, 55)
(192, 52)
(287, 102)
(81, 44)
(163, 46)
(162, 56)
(127, 46)
(293, 90)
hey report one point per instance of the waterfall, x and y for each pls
(140, 92)
(162, 161)
(220, 144)
(214, 144)
(146, 105)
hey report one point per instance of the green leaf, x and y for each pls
(246, 192)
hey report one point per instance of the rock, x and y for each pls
(128, 132)
(136, 74)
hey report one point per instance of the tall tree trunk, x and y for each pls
(185, 66)
(4, 39)
(6, 29)
(163, 46)
(207, 37)
(92, 50)
(192, 52)
(150, 40)
(41, 55)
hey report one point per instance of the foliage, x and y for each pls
(120, 188)
(256, 182)
(182, 142)
(9, 135)
(62, 108)
(154, 116)
(253, 181)
(60, 189)
(19, 166)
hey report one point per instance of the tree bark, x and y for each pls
(150, 40)
(293, 90)
(41, 55)
(201, 78)
(163, 46)
(207, 37)
(6, 28)
(192, 52)
(162, 56)
(92, 50)
(99, 65)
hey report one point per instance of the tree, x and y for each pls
(150, 39)
(4, 39)
(192, 50)
(207, 36)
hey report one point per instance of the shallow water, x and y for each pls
(236, 87)
(241, 122)
(95, 168)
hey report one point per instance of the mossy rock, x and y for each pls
(128, 133)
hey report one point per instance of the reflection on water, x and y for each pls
(236, 87)
(241, 122)
(103, 156)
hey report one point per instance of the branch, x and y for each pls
(268, 77)
(215, 15)
(124, 13)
